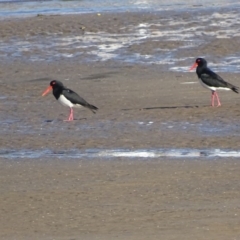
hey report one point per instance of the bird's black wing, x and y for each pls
(76, 99)
(212, 79)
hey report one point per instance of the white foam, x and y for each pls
(179, 69)
(189, 82)
(128, 154)
(145, 123)
(123, 153)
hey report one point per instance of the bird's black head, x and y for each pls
(56, 84)
(201, 62)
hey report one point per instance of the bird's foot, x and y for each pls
(219, 105)
(69, 119)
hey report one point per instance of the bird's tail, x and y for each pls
(234, 88)
(92, 108)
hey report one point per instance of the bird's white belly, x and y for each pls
(65, 102)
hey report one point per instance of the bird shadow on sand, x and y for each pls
(165, 107)
(63, 120)
(98, 76)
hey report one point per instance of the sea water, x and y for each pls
(18, 8)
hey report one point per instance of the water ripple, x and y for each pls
(119, 153)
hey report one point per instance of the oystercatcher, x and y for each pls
(211, 80)
(68, 98)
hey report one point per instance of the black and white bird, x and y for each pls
(68, 98)
(211, 80)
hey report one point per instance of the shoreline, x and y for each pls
(32, 8)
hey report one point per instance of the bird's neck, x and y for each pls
(57, 92)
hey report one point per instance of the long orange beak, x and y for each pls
(47, 90)
(193, 66)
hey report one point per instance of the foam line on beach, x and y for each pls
(120, 153)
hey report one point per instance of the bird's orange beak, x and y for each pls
(193, 66)
(47, 90)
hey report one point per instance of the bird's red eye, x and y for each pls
(53, 83)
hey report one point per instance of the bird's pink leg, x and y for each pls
(70, 118)
(219, 104)
(212, 98)
(71, 115)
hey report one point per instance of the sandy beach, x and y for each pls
(121, 199)
(140, 107)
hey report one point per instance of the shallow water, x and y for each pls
(23, 8)
(120, 153)
(102, 129)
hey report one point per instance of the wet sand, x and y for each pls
(128, 98)
(121, 198)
